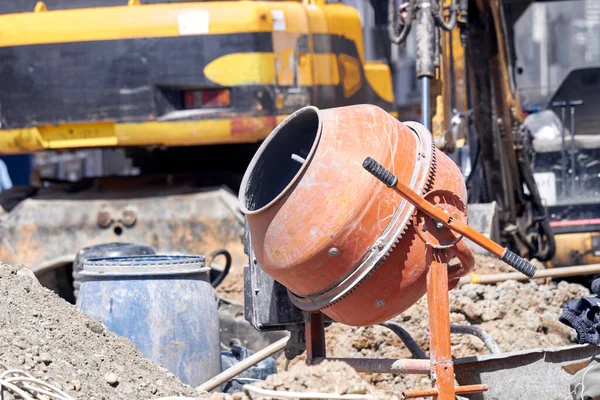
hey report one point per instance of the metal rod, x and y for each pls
(545, 273)
(408, 366)
(425, 101)
(572, 105)
(299, 159)
(563, 155)
(440, 352)
(573, 169)
(467, 389)
(243, 365)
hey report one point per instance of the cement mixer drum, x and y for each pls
(338, 239)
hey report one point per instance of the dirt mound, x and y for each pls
(49, 338)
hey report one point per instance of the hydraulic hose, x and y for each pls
(399, 38)
(439, 19)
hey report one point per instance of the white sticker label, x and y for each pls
(546, 184)
(193, 23)
(278, 17)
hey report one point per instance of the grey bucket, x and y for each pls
(164, 304)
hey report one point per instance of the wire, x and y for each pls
(23, 384)
(305, 395)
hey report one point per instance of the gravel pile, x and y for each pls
(47, 337)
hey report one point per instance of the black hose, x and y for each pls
(399, 38)
(408, 341)
(439, 19)
(476, 331)
(217, 281)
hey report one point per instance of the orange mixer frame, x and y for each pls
(440, 364)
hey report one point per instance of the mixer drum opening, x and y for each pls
(281, 159)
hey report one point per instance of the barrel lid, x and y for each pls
(144, 266)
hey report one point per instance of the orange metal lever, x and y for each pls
(504, 254)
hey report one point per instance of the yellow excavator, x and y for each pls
(188, 89)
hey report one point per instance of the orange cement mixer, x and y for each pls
(346, 236)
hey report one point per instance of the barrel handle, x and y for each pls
(225, 272)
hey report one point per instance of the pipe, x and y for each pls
(467, 389)
(425, 120)
(540, 274)
(563, 152)
(279, 394)
(573, 159)
(383, 365)
(243, 365)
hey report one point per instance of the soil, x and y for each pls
(52, 340)
(49, 338)
(329, 377)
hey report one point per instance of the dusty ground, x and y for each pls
(519, 315)
(330, 377)
(49, 338)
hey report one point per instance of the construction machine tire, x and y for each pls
(105, 250)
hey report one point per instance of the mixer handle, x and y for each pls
(504, 254)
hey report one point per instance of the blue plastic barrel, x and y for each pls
(164, 304)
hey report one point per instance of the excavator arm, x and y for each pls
(474, 102)
(501, 145)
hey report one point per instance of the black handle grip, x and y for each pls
(379, 172)
(518, 263)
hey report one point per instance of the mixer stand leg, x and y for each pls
(442, 367)
(315, 337)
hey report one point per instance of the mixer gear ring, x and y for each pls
(343, 289)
